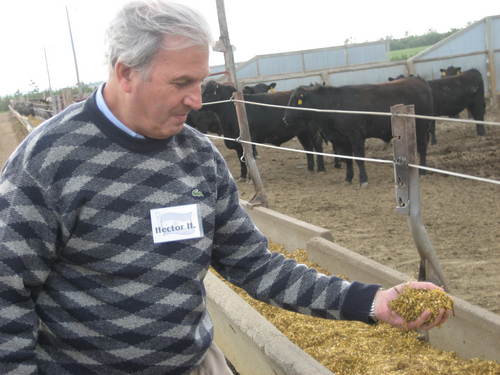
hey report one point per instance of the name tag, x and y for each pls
(176, 223)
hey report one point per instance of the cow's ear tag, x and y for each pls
(299, 102)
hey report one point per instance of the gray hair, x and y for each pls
(139, 29)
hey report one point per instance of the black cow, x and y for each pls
(25, 108)
(453, 94)
(205, 121)
(401, 76)
(349, 131)
(432, 127)
(450, 71)
(265, 123)
(259, 88)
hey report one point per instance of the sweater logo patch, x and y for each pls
(197, 193)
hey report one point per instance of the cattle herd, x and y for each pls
(24, 108)
(40, 108)
(449, 95)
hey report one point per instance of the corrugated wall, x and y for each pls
(477, 46)
(306, 66)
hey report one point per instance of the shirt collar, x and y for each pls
(103, 107)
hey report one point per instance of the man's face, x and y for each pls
(160, 100)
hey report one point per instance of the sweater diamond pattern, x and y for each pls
(84, 289)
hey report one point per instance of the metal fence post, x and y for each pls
(408, 191)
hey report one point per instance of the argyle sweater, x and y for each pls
(85, 289)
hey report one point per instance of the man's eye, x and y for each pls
(181, 84)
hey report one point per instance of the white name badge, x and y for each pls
(176, 223)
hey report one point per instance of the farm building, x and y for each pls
(477, 46)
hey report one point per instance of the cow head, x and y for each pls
(205, 121)
(259, 88)
(298, 99)
(450, 71)
(401, 76)
(214, 91)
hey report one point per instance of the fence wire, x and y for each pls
(239, 140)
(388, 114)
(482, 179)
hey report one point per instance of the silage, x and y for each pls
(355, 348)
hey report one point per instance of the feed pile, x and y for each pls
(355, 348)
(34, 121)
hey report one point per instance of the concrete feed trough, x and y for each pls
(254, 345)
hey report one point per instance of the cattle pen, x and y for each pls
(318, 214)
(473, 332)
(290, 239)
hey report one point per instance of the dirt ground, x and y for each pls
(10, 135)
(461, 216)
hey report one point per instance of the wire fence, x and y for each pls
(389, 114)
(340, 156)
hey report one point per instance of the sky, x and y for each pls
(36, 43)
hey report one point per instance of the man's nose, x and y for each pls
(193, 99)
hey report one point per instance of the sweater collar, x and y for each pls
(92, 113)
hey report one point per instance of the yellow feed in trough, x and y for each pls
(355, 348)
(34, 121)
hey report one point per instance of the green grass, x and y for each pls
(403, 54)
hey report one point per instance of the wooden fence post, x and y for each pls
(260, 196)
(67, 97)
(490, 62)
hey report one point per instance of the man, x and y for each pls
(113, 210)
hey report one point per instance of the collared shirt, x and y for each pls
(103, 107)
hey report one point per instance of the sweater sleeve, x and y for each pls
(27, 237)
(241, 256)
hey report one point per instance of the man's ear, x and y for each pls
(124, 75)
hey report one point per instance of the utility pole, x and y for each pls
(47, 67)
(225, 46)
(74, 54)
(53, 98)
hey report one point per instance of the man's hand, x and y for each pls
(384, 314)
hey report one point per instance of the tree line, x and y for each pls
(35, 94)
(412, 41)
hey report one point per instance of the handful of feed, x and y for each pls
(411, 303)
